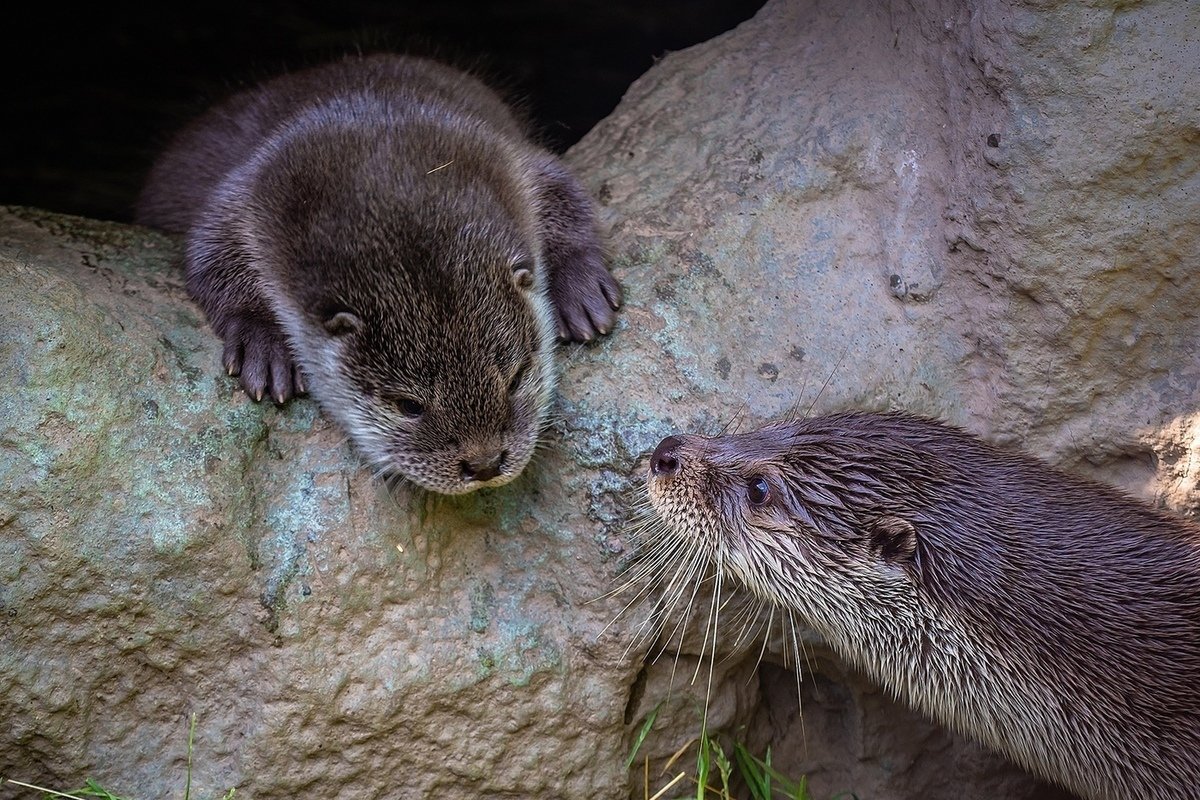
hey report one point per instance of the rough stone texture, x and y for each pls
(983, 213)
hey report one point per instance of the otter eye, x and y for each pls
(517, 379)
(409, 407)
(758, 491)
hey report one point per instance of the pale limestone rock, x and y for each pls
(171, 548)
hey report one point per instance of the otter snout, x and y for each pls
(481, 470)
(665, 461)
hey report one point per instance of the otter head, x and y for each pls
(814, 515)
(447, 385)
(416, 303)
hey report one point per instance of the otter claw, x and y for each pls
(586, 299)
(259, 356)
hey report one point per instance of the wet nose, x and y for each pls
(665, 461)
(483, 469)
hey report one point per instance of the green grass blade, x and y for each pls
(759, 775)
(756, 779)
(642, 734)
(723, 766)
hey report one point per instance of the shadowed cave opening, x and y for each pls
(96, 92)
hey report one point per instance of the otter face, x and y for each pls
(799, 523)
(415, 300)
(448, 388)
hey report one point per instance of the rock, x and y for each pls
(986, 214)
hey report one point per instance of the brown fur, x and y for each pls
(381, 230)
(1052, 617)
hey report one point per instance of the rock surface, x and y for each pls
(985, 213)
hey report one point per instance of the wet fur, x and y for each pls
(404, 195)
(1054, 618)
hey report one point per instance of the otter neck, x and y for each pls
(917, 653)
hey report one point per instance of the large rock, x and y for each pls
(987, 214)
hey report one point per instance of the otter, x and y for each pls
(1051, 617)
(381, 231)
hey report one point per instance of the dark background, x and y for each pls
(91, 93)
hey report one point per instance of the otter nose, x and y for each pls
(665, 461)
(483, 469)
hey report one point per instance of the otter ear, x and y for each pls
(341, 323)
(522, 274)
(893, 541)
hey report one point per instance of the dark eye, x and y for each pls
(758, 491)
(515, 383)
(409, 407)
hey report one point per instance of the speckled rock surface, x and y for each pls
(987, 214)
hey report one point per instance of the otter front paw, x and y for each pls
(258, 354)
(586, 297)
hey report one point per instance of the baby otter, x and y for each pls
(1049, 616)
(381, 231)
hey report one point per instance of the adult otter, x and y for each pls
(1049, 616)
(381, 230)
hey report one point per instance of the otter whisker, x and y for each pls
(793, 413)
(697, 578)
(651, 580)
(665, 611)
(762, 651)
(748, 619)
(715, 622)
(647, 587)
(801, 650)
(651, 558)
(735, 420)
(797, 648)
(655, 551)
(713, 615)
(654, 623)
(828, 378)
(693, 575)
